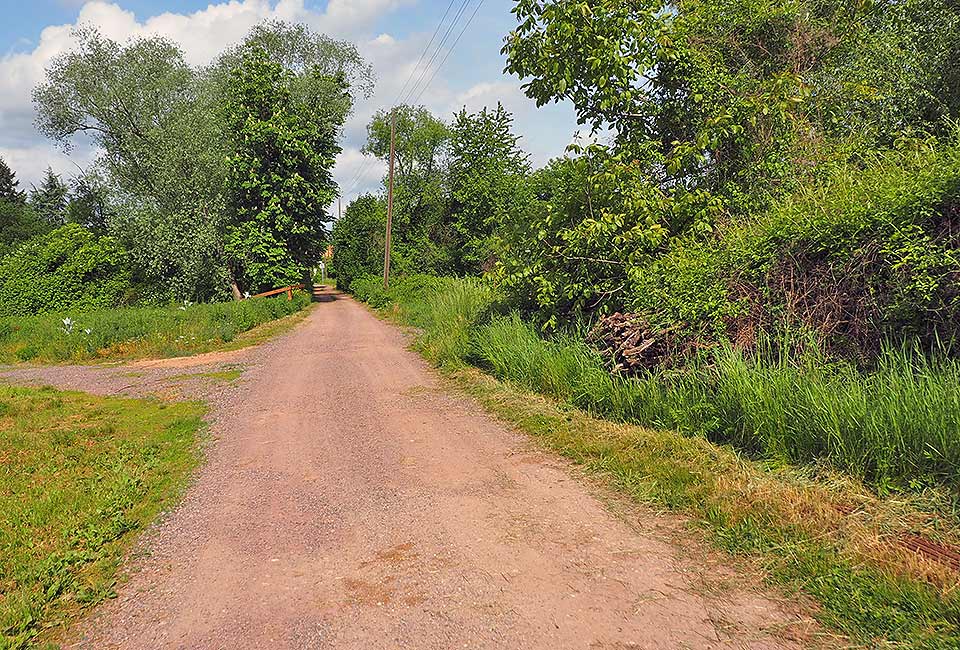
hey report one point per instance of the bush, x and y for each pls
(66, 269)
(870, 255)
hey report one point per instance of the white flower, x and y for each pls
(87, 331)
(67, 325)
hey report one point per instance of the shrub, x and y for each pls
(69, 268)
(868, 255)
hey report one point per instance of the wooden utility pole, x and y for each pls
(386, 245)
(339, 207)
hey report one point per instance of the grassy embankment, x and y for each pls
(138, 332)
(80, 475)
(815, 472)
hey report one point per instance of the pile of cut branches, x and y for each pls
(628, 343)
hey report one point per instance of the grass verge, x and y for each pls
(140, 332)
(80, 475)
(812, 529)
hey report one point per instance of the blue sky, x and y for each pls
(391, 34)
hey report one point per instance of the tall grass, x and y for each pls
(445, 309)
(897, 426)
(137, 331)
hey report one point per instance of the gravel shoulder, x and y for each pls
(348, 500)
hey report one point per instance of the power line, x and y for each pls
(446, 35)
(366, 164)
(424, 53)
(450, 51)
(447, 32)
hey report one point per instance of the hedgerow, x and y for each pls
(68, 268)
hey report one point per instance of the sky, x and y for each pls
(390, 34)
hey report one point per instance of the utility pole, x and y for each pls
(386, 245)
(339, 207)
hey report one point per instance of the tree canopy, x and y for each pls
(170, 151)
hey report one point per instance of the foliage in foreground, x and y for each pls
(867, 587)
(138, 331)
(716, 110)
(79, 476)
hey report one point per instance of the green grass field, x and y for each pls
(80, 476)
(137, 332)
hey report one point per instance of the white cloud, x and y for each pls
(30, 162)
(357, 173)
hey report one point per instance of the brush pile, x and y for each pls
(628, 343)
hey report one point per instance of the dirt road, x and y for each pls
(349, 502)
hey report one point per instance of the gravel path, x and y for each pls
(348, 501)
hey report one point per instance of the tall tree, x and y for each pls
(87, 203)
(487, 172)
(162, 128)
(358, 238)
(279, 173)
(50, 199)
(420, 196)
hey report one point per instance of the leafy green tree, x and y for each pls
(87, 203)
(162, 126)
(67, 268)
(715, 108)
(486, 176)
(422, 236)
(163, 153)
(18, 223)
(279, 175)
(357, 239)
(49, 200)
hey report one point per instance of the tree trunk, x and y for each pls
(234, 288)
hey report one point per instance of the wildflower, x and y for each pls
(67, 325)
(86, 331)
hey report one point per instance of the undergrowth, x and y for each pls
(131, 332)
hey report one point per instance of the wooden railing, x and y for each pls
(274, 292)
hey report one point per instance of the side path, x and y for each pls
(347, 502)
